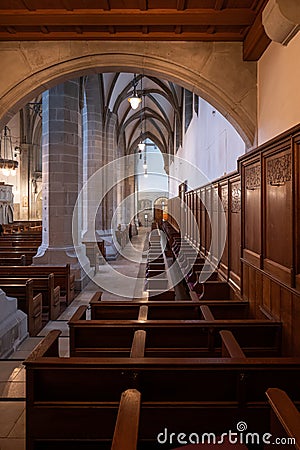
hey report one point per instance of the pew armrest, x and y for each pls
(206, 313)
(47, 347)
(285, 413)
(138, 344)
(96, 298)
(127, 425)
(230, 347)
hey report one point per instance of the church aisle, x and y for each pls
(12, 371)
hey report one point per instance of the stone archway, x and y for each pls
(213, 70)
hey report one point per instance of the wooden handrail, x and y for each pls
(127, 425)
(286, 413)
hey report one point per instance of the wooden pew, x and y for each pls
(29, 254)
(45, 286)
(62, 276)
(20, 261)
(184, 310)
(216, 290)
(31, 304)
(285, 418)
(169, 337)
(68, 398)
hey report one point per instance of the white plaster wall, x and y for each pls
(278, 89)
(211, 144)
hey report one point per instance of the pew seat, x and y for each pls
(62, 276)
(74, 400)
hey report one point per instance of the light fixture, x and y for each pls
(135, 100)
(141, 146)
(8, 165)
(145, 173)
(145, 158)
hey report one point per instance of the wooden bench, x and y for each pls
(20, 261)
(194, 337)
(285, 418)
(45, 286)
(31, 304)
(62, 276)
(216, 290)
(29, 254)
(114, 310)
(70, 401)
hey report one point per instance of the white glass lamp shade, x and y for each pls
(141, 146)
(134, 101)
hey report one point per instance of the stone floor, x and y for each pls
(12, 371)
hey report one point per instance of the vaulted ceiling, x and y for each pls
(156, 118)
(187, 20)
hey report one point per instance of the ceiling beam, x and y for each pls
(145, 30)
(178, 29)
(72, 34)
(256, 41)
(112, 29)
(127, 17)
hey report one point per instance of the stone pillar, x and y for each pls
(110, 200)
(92, 147)
(24, 180)
(61, 178)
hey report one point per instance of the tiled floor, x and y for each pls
(12, 371)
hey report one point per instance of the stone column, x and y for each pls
(61, 178)
(110, 199)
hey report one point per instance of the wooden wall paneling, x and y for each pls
(203, 220)
(188, 214)
(223, 189)
(246, 270)
(208, 197)
(275, 300)
(266, 297)
(295, 327)
(215, 223)
(288, 322)
(198, 218)
(278, 214)
(296, 209)
(194, 218)
(235, 231)
(251, 172)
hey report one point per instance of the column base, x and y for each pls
(13, 326)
